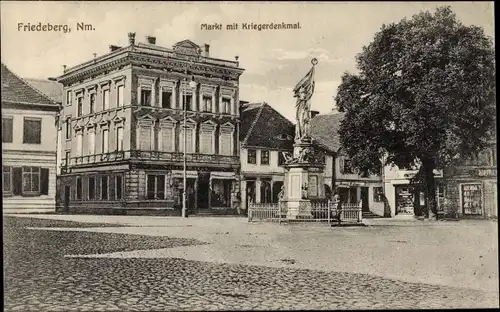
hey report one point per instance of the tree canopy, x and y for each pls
(425, 93)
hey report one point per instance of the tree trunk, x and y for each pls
(430, 188)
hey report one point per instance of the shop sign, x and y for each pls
(483, 172)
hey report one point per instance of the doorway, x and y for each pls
(364, 200)
(67, 193)
(250, 193)
(203, 190)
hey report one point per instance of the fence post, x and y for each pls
(249, 212)
(279, 211)
(360, 211)
(329, 211)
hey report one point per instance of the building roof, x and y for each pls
(324, 129)
(17, 91)
(52, 89)
(262, 126)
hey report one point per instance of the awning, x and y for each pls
(179, 174)
(222, 175)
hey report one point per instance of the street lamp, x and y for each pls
(192, 85)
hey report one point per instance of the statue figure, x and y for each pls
(303, 91)
(305, 193)
(304, 155)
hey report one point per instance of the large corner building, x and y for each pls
(122, 131)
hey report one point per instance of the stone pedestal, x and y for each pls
(303, 181)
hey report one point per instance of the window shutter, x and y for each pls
(225, 144)
(145, 138)
(17, 179)
(166, 139)
(44, 181)
(206, 141)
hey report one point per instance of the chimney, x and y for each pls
(131, 38)
(64, 68)
(113, 48)
(314, 113)
(207, 50)
(151, 40)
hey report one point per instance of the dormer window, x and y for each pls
(284, 137)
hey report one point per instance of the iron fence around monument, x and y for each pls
(327, 212)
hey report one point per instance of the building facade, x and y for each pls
(471, 187)
(351, 186)
(406, 198)
(28, 146)
(126, 118)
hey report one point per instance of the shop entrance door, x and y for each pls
(364, 200)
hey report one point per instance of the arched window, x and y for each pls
(277, 185)
(265, 192)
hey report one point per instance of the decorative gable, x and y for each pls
(187, 47)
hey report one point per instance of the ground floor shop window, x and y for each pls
(118, 187)
(472, 203)
(221, 193)
(155, 186)
(79, 188)
(91, 188)
(405, 200)
(7, 177)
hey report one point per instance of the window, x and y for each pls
(146, 97)
(188, 105)
(91, 188)
(226, 105)
(378, 194)
(105, 99)
(32, 131)
(68, 97)
(156, 186)
(494, 156)
(7, 179)
(472, 203)
(347, 168)
(252, 157)
(118, 187)
(79, 144)
(92, 103)
(166, 98)
(79, 106)
(68, 129)
(207, 103)
(31, 179)
(7, 129)
(119, 96)
(264, 157)
(119, 139)
(105, 134)
(91, 142)
(145, 137)
(104, 187)
(78, 188)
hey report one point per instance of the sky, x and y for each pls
(274, 60)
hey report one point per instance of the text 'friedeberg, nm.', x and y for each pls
(251, 26)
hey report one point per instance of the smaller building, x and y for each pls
(471, 186)
(28, 146)
(351, 186)
(265, 135)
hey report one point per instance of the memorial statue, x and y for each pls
(303, 91)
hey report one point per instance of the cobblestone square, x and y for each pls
(113, 264)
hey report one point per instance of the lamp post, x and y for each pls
(192, 85)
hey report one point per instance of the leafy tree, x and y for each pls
(424, 96)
